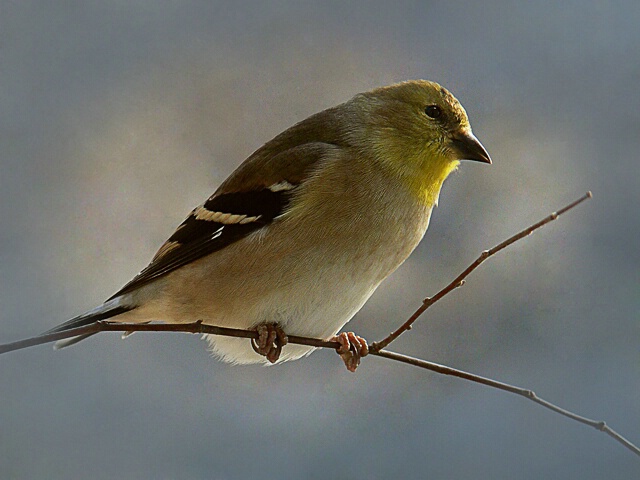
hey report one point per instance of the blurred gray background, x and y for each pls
(117, 118)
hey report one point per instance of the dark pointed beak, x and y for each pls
(467, 147)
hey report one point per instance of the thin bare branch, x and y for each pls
(460, 279)
(530, 394)
(194, 327)
(199, 328)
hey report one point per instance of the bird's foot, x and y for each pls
(271, 339)
(352, 349)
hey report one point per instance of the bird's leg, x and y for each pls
(352, 349)
(271, 339)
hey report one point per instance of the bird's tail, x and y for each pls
(107, 310)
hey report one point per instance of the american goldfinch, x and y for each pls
(300, 236)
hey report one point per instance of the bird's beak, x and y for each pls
(467, 147)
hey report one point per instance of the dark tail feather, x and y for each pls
(103, 312)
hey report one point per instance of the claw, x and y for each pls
(271, 339)
(352, 349)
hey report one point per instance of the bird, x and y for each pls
(301, 234)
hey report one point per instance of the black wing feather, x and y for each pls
(196, 238)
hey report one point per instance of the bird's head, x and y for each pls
(419, 130)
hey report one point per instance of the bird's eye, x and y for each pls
(433, 111)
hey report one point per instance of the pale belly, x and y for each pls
(324, 308)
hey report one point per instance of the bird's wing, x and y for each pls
(250, 199)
